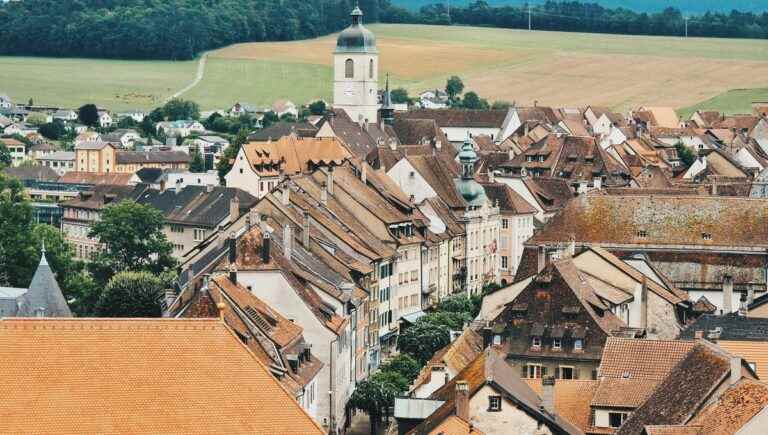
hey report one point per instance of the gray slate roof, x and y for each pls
(44, 293)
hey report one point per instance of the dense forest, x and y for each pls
(181, 29)
(686, 6)
(163, 29)
(574, 16)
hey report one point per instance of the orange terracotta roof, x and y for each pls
(138, 376)
(291, 154)
(455, 426)
(456, 355)
(735, 407)
(572, 399)
(753, 351)
(623, 393)
(641, 359)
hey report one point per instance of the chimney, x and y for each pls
(572, 247)
(266, 255)
(232, 248)
(364, 174)
(735, 369)
(233, 273)
(285, 199)
(598, 183)
(305, 230)
(542, 259)
(324, 193)
(727, 294)
(548, 394)
(510, 153)
(438, 144)
(714, 188)
(329, 180)
(644, 303)
(743, 305)
(234, 208)
(287, 241)
(462, 400)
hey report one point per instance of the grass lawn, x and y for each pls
(552, 68)
(736, 101)
(114, 84)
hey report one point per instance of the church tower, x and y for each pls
(356, 71)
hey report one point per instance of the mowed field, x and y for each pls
(553, 68)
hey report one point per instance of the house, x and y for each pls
(60, 161)
(137, 115)
(516, 227)
(547, 195)
(240, 109)
(118, 372)
(132, 161)
(285, 107)
(458, 124)
(181, 128)
(193, 213)
(41, 149)
(260, 166)
(705, 119)
(433, 99)
(105, 119)
(739, 334)
(5, 102)
(66, 115)
(17, 149)
(518, 121)
(629, 372)
(446, 363)
(95, 156)
(122, 137)
(282, 128)
(702, 377)
(210, 149)
(43, 297)
(87, 136)
(557, 325)
(275, 340)
(80, 213)
(490, 397)
(163, 179)
(656, 117)
(720, 244)
(19, 128)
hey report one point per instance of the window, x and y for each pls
(349, 69)
(578, 344)
(496, 340)
(370, 69)
(533, 371)
(414, 275)
(566, 372)
(414, 300)
(504, 262)
(557, 343)
(706, 236)
(642, 234)
(504, 224)
(494, 403)
(616, 419)
(199, 234)
(536, 342)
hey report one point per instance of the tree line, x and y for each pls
(574, 16)
(162, 29)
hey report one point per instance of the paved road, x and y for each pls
(198, 77)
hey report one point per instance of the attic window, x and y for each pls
(642, 234)
(494, 403)
(536, 342)
(706, 236)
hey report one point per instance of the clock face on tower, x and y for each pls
(349, 90)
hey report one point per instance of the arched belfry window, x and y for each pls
(370, 69)
(349, 69)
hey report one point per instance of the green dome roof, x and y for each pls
(472, 192)
(356, 38)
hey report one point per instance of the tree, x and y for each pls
(178, 109)
(37, 118)
(147, 127)
(454, 87)
(5, 156)
(317, 107)
(423, 339)
(685, 154)
(269, 119)
(133, 239)
(88, 114)
(16, 225)
(404, 364)
(53, 130)
(400, 96)
(197, 164)
(501, 105)
(377, 393)
(126, 122)
(287, 117)
(473, 101)
(131, 294)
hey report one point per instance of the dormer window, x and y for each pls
(536, 342)
(494, 403)
(706, 236)
(642, 234)
(557, 344)
(578, 344)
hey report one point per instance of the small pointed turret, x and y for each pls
(387, 111)
(44, 297)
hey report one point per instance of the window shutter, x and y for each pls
(525, 371)
(576, 373)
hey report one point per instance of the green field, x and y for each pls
(736, 101)
(552, 68)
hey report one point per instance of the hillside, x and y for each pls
(687, 6)
(553, 68)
